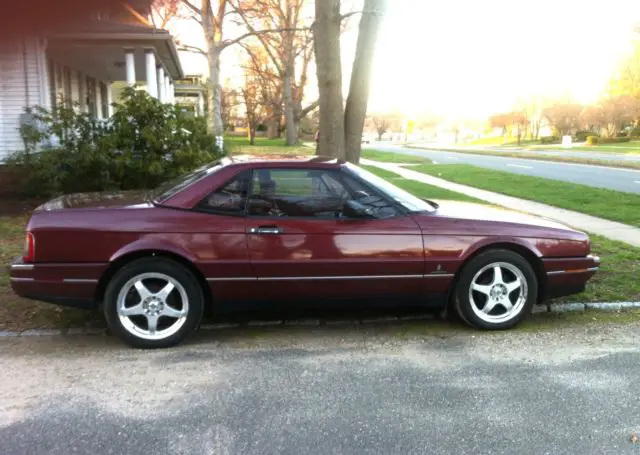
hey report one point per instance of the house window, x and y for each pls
(91, 97)
(104, 98)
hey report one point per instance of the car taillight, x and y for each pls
(29, 248)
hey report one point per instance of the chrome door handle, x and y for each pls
(265, 230)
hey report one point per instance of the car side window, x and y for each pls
(315, 193)
(230, 198)
(378, 205)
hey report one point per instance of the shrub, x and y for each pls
(592, 140)
(582, 136)
(615, 140)
(635, 132)
(143, 144)
(550, 140)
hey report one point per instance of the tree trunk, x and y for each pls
(273, 126)
(356, 108)
(289, 114)
(252, 135)
(329, 73)
(214, 118)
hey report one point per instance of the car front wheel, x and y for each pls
(153, 303)
(496, 290)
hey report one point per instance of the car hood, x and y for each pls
(488, 213)
(107, 199)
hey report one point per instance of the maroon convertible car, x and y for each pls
(293, 230)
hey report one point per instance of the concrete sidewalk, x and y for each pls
(610, 229)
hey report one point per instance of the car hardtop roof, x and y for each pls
(305, 161)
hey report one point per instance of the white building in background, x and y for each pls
(81, 64)
(192, 91)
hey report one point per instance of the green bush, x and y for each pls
(614, 140)
(143, 144)
(581, 136)
(550, 140)
(592, 140)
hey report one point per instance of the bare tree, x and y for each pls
(565, 118)
(592, 118)
(356, 107)
(338, 125)
(619, 112)
(254, 103)
(212, 15)
(381, 125)
(229, 101)
(329, 73)
(285, 49)
(165, 11)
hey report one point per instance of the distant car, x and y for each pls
(290, 230)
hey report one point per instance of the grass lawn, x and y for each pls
(390, 157)
(612, 205)
(629, 148)
(608, 204)
(421, 189)
(239, 145)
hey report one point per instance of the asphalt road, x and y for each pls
(327, 390)
(626, 180)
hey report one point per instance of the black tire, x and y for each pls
(465, 308)
(167, 267)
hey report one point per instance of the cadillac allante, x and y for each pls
(289, 230)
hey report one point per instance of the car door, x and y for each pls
(301, 246)
(219, 240)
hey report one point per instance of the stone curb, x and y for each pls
(556, 308)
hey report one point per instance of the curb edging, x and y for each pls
(546, 308)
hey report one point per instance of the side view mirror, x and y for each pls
(354, 209)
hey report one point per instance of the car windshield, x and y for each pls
(168, 189)
(407, 200)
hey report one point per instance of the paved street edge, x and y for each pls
(545, 308)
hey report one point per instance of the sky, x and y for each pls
(468, 58)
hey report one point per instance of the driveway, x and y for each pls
(627, 180)
(404, 388)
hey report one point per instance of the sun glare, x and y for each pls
(464, 58)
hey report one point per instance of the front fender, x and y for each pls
(528, 244)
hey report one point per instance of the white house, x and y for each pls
(81, 64)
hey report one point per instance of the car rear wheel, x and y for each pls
(153, 303)
(496, 290)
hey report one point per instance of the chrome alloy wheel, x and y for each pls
(498, 292)
(152, 306)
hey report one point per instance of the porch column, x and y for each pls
(167, 87)
(109, 99)
(130, 62)
(200, 108)
(162, 91)
(152, 81)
